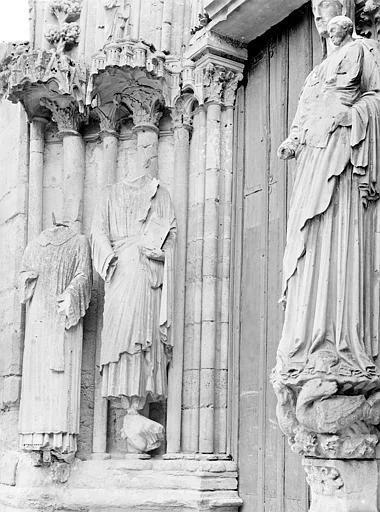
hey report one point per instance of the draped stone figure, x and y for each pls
(56, 278)
(133, 238)
(116, 20)
(329, 345)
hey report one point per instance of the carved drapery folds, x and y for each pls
(326, 377)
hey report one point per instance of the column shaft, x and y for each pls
(73, 178)
(181, 165)
(166, 26)
(106, 177)
(193, 316)
(36, 169)
(221, 377)
(209, 274)
(110, 150)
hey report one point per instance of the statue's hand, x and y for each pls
(286, 150)
(342, 119)
(153, 254)
(111, 268)
(64, 304)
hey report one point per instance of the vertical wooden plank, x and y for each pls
(252, 310)
(274, 448)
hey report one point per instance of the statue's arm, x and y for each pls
(103, 255)
(28, 276)
(74, 301)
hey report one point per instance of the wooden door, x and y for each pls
(271, 476)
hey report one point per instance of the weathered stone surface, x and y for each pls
(342, 486)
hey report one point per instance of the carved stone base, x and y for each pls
(122, 486)
(342, 485)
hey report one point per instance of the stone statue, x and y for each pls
(117, 18)
(133, 238)
(56, 278)
(331, 330)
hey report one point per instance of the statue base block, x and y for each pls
(123, 485)
(342, 485)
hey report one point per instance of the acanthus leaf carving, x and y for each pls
(145, 103)
(65, 113)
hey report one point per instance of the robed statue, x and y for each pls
(56, 279)
(117, 14)
(133, 237)
(326, 374)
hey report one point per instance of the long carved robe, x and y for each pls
(331, 260)
(138, 293)
(55, 265)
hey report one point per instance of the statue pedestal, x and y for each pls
(123, 486)
(342, 485)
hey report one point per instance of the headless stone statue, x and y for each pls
(56, 279)
(133, 237)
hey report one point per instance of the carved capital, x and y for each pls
(214, 82)
(232, 82)
(110, 115)
(214, 78)
(182, 112)
(66, 114)
(145, 104)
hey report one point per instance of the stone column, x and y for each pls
(68, 118)
(182, 127)
(110, 140)
(209, 278)
(36, 169)
(106, 176)
(224, 259)
(166, 26)
(145, 105)
(193, 305)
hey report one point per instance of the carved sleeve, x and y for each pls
(102, 252)
(28, 275)
(78, 291)
(167, 302)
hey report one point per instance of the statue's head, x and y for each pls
(325, 10)
(339, 29)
